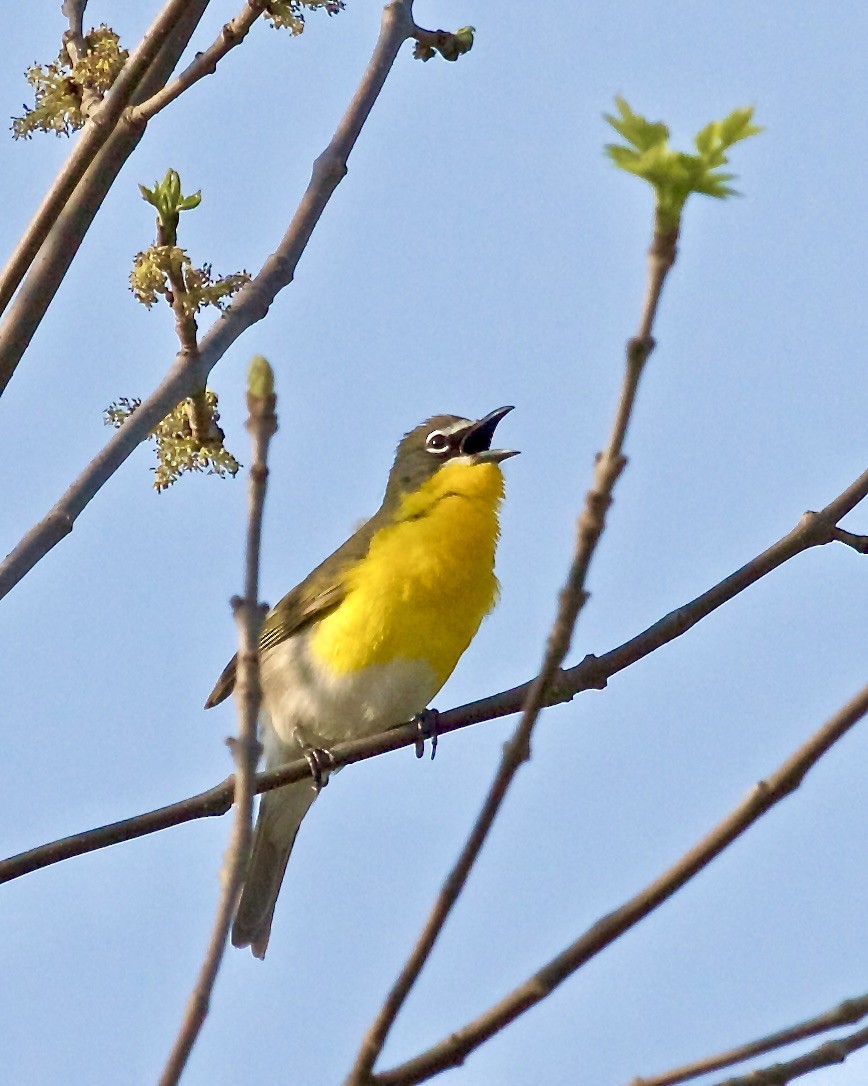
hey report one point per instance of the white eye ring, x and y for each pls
(437, 443)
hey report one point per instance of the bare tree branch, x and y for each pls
(215, 801)
(205, 63)
(824, 1056)
(250, 306)
(454, 1049)
(74, 12)
(249, 614)
(177, 15)
(592, 673)
(857, 542)
(609, 465)
(76, 50)
(845, 1014)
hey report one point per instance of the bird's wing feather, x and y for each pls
(296, 610)
(320, 592)
(292, 614)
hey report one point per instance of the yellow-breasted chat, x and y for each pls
(370, 636)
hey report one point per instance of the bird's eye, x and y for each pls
(437, 442)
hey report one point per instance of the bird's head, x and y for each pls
(444, 442)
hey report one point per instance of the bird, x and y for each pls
(368, 638)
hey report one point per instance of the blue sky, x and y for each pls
(481, 251)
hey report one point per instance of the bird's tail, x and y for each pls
(280, 815)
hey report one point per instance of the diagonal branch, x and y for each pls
(177, 15)
(205, 63)
(249, 614)
(454, 1049)
(859, 543)
(845, 1014)
(74, 12)
(592, 673)
(250, 306)
(823, 1056)
(609, 465)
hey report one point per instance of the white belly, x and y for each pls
(306, 706)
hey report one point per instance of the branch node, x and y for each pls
(561, 689)
(329, 169)
(638, 349)
(664, 245)
(516, 750)
(811, 523)
(239, 749)
(132, 119)
(592, 673)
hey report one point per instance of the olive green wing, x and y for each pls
(295, 611)
(320, 592)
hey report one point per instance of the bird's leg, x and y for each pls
(321, 764)
(426, 728)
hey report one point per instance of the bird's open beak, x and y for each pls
(476, 441)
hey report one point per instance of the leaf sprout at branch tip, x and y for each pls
(167, 198)
(189, 437)
(450, 46)
(260, 378)
(675, 174)
(162, 267)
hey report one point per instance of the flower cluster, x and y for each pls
(165, 269)
(156, 267)
(289, 14)
(60, 85)
(181, 447)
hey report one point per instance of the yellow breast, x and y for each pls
(427, 581)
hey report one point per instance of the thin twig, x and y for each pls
(592, 673)
(454, 1049)
(186, 327)
(608, 467)
(76, 50)
(72, 221)
(261, 425)
(844, 1014)
(102, 124)
(200, 416)
(250, 306)
(205, 63)
(74, 12)
(857, 542)
(823, 1056)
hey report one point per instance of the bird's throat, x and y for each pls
(427, 580)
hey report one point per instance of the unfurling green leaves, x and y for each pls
(289, 14)
(449, 46)
(165, 269)
(60, 86)
(675, 174)
(167, 198)
(188, 439)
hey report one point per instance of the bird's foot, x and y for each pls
(426, 728)
(321, 765)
